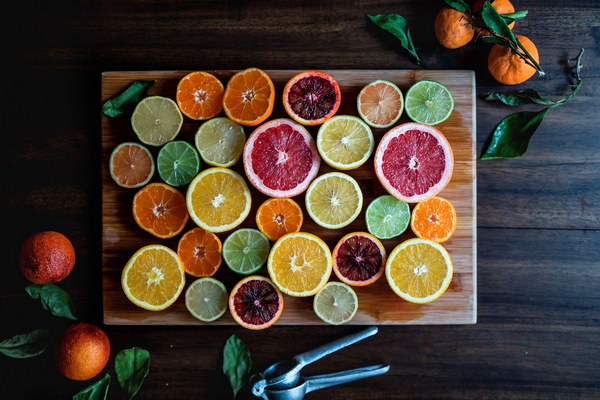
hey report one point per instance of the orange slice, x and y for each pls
(249, 97)
(434, 219)
(200, 252)
(160, 210)
(276, 217)
(300, 264)
(200, 95)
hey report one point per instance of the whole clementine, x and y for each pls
(508, 67)
(46, 257)
(501, 7)
(452, 28)
(82, 351)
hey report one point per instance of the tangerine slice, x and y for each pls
(200, 95)
(249, 97)
(276, 217)
(200, 252)
(255, 303)
(434, 219)
(160, 210)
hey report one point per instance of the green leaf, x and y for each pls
(54, 299)
(459, 5)
(397, 25)
(127, 100)
(495, 23)
(236, 362)
(97, 390)
(26, 345)
(496, 40)
(517, 98)
(132, 366)
(512, 17)
(511, 136)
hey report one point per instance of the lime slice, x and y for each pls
(206, 299)
(429, 102)
(336, 303)
(345, 142)
(380, 104)
(178, 163)
(245, 250)
(220, 142)
(387, 217)
(334, 200)
(156, 120)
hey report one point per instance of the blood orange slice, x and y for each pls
(281, 158)
(255, 303)
(311, 97)
(414, 162)
(358, 259)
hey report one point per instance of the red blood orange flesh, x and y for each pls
(311, 97)
(46, 257)
(281, 158)
(255, 303)
(414, 162)
(359, 259)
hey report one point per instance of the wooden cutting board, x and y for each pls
(121, 237)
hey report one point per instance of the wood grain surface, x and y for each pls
(377, 303)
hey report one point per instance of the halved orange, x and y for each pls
(160, 210)
(249, 97)
(276, 217)
(255, 302)
(200, 252)
(434, 219)
(200, 95)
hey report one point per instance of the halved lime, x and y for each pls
(429, 102)
(245, 250)
(345, 142)
(206, 299)
(220, 142)
(156, 120)
(387, 217)
(178, 163)
(336, 303)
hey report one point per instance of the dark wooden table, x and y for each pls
(538, 329)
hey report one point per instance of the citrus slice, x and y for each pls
(434, 219)
(249, 97)
(178, 163)
(156, 120)
(246, 250)
(358, 259)
(380, 104)
(153, 278)
(300, 264)
(206, 299)
(220, 142)
(311, 97)
(345, 142)
(336, 303)
(160, 210)
(281, 158)
(200, 95)
(218, 199)
(419, 270)
(131, 165)
(276, 217)
(414, 162)
(387, 217)
(429, 102)
(334, 200)
(255, 303)
(200, 252)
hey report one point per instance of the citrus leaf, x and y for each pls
(511, 136)
(96, 391)
(236, 362)
(459, 5)
(495, 23)
(512, 17)
(496, 40)
(54, 299)
(26, 345)
(132, 366)
(397, 25)
(517, 97)
(127, 100)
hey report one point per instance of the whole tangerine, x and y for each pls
(501, 7)
(82, 351)
(508, 67)
(452, 28)
(46, 257)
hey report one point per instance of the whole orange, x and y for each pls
(46, 257)
(507, 67)
(82, 351)
(501, 7)
(452, 28)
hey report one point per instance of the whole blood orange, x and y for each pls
(311, 97)
(82, 351)
(281, 158)
(508, 67)
(414, 162)
(46, 257)
(358, 259)
(255, 303)
(452, 28)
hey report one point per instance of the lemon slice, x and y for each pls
(345, 142)
(334, 200)
(156, 120)
(220, 142)
(336, 303)
(206, 299)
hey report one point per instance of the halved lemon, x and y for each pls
(220, 142)
(336, 303)
(345, 142)
(334, 200)
(156, 120)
